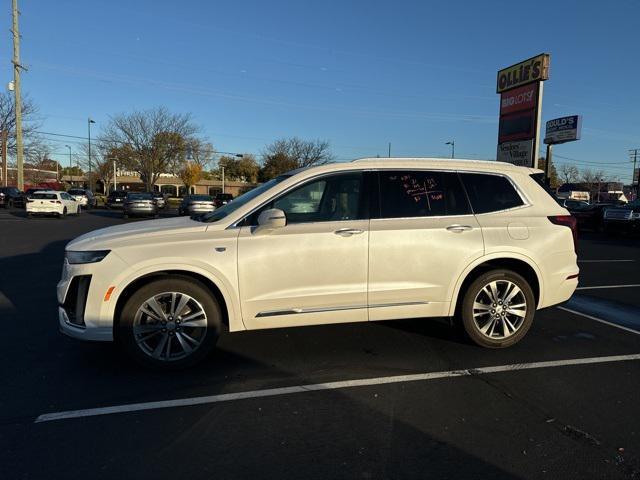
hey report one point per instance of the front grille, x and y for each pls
(617, 214)
(76, 299)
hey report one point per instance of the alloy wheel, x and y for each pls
(499, 309)
(170, 326)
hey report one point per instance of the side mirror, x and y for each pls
(270, 220)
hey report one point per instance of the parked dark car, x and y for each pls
(139, 204)
(222, 199)
(116, 199)
(11, 197)
(590, 216)
(160, 198)
(570, 203)
(196, 204)
(624, 218)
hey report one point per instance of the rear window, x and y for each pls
(139, 196)
(76, 192)
(539, 179)
(118, 194)
(201, 198)
(490, 193)
(406, 194)
(45, 196)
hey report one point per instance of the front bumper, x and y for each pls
(95, 334)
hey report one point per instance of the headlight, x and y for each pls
(85, 257)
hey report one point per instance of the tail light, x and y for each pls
(28, 200)
(567, 221)
(57, 201)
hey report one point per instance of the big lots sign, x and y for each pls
(522, 98)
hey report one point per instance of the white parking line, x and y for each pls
(596, 319)
(596, 287)
(272, 392)
(604, 261)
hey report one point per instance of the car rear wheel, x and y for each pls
(498, 309)
(170, 323)
(63, 214)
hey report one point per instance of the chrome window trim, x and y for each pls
(296, 311)
(525, 199)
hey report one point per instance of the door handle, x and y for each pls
(459, 228)
(347, 232)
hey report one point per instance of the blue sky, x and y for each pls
(357, 73)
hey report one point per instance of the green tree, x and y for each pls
(553, 174)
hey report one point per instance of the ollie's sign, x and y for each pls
(533, 70)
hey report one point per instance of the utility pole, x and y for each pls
(389, 149)
(547, 165)
(115, 174)
(222, 179)
(70, 166)
(5, 170)
(634, 152)
(89, 122)
(18, 100)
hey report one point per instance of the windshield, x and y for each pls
(200, 198)
(76, 192)
(243, 199)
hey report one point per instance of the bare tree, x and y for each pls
(155, 139)
(199, 152)
(593, 180)
(304, 153)
(30, 123)
(568, 173)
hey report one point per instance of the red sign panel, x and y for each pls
(522, 98)
(517, 126)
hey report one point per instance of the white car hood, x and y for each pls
(104, 238)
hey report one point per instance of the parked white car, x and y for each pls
(375, 239)
(51, 202)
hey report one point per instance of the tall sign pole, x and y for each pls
(18, 100)
(520, 87)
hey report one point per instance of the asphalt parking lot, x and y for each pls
(407, 399)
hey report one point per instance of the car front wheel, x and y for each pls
(170, 323)
(498, 309)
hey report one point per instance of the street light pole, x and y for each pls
(115, 175)
(222, 179)
(453, 148)
(89, 122)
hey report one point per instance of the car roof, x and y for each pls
(420, 162)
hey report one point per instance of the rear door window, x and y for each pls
(490, 193)
(406, 194)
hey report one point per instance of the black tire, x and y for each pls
(63, 214)
(125, 215)
(10, 203)
(473, 330)
(125, 334)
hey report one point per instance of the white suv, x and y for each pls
(354, 242)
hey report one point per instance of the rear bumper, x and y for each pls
(141, 211)
(622, 225)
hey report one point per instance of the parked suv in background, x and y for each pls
(85, 198)
(11, 197)
(222, 199)
(369, 240)
(116, 199)
(160, 198)
(625, 218)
